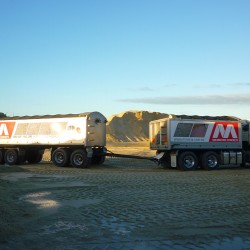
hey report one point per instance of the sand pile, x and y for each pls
(131, 126)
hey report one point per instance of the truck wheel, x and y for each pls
(98, 159)
(21, 156)
(11, 157)
(34, 156)
(210, 160)
(98, 156)
(1, 157)
(60, 157)
(79, 159)
(165, 161)
(187, 160)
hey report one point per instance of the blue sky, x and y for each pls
(171, 56)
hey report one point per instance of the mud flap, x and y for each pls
(173, 157)
(159, 156)
(89, 152)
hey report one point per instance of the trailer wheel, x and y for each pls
(21, 156)
(187, 160)
(79, 159)
(34, 156)
(1, 157)
(60, 157)
(210, 160)
(98, 159)
(11, 157)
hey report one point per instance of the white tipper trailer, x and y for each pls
(74, 139)
(191, 143)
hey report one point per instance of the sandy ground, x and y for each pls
(123, 204)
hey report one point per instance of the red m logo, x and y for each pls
(225, 132)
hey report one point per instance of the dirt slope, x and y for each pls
(131, 126)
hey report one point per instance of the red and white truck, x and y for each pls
(191, 143)
(80, 139)
(74, 139)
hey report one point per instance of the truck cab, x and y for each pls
(205, 143)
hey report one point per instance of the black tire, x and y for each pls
(21, 156)
(60, 157)
(98, 156)
(187, 161)
(210, 160)
(79, 159)
(98, 159)
(244, 159)
(165, 161)
(1, 157)
(11, 157)
(34, 156)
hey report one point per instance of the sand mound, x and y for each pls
(131, 126)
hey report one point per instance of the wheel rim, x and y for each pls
(11, 157)
(59, 157)
(189, 161)
(78, 159)
(212, 161)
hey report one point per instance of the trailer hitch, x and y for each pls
(155, 159)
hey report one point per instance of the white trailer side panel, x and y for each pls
(195, 134)
(43, 131)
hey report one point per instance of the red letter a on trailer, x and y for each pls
(6, 129)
